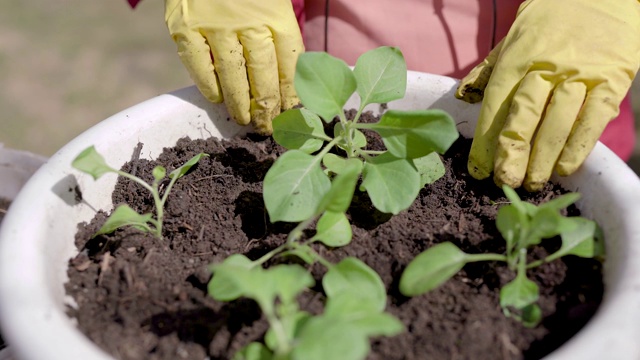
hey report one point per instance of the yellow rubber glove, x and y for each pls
(550, 88)
(242, 52)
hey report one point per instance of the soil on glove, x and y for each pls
(142, 298)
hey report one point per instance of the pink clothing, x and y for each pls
(446, 37)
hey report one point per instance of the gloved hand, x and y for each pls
(242, 52)
(555, 81)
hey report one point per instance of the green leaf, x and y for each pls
(237, 276)
(159, 172)
(333, 229)
(292, 326)
(303, 252)
(294, 186)
(431, 269)
(359, 140)
(430, 168)
(122, 216)
(179, 172)
(509, 222)
(352, 274)
(253, 351)
(531, 315)
(287, 281)
(380, 324)
(351, 304)
(323, 83)
(232, 278)
(560, 202)
(381, 75)
(339, 196)
(334, 163)
(299, 129)
(579, 239)
(544, 224)
(416, 133)
(392, 183)
(356, 308)
(326, 337)
(91, 162)
(519, 293)
(525, 208)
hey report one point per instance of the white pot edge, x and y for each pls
(32, 299)
(16, 167)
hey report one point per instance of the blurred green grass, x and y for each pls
(67, 64)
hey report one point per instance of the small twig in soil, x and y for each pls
(187, 226)
(195, 190)
(104, 266)
(201, 234)
(134, 168)
(128, 276)
(148, 256)
(462, 223)
(82, 266)
(249, 244)
(508, 348)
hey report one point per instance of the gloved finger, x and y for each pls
(195, 55)
(288, 47)
(169, 7)
(230, 64)
(472, 86)
(493, 114)
(599, 108)
(262, 70)
(552, 135)
(514, 142)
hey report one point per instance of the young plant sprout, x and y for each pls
(356, 296)
(298, 180)
(309, 184)
(522, 225)
(91, 162)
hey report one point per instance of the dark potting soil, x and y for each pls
(142, 298)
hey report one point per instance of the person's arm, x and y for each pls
(550, 88)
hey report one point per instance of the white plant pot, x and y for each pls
(37, 238)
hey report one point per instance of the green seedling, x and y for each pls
(522, 225)
(91, 162)
(300, 178)
(354, 308)
(356, 296)
(313, 185)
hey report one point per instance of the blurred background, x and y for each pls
(67, 64)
